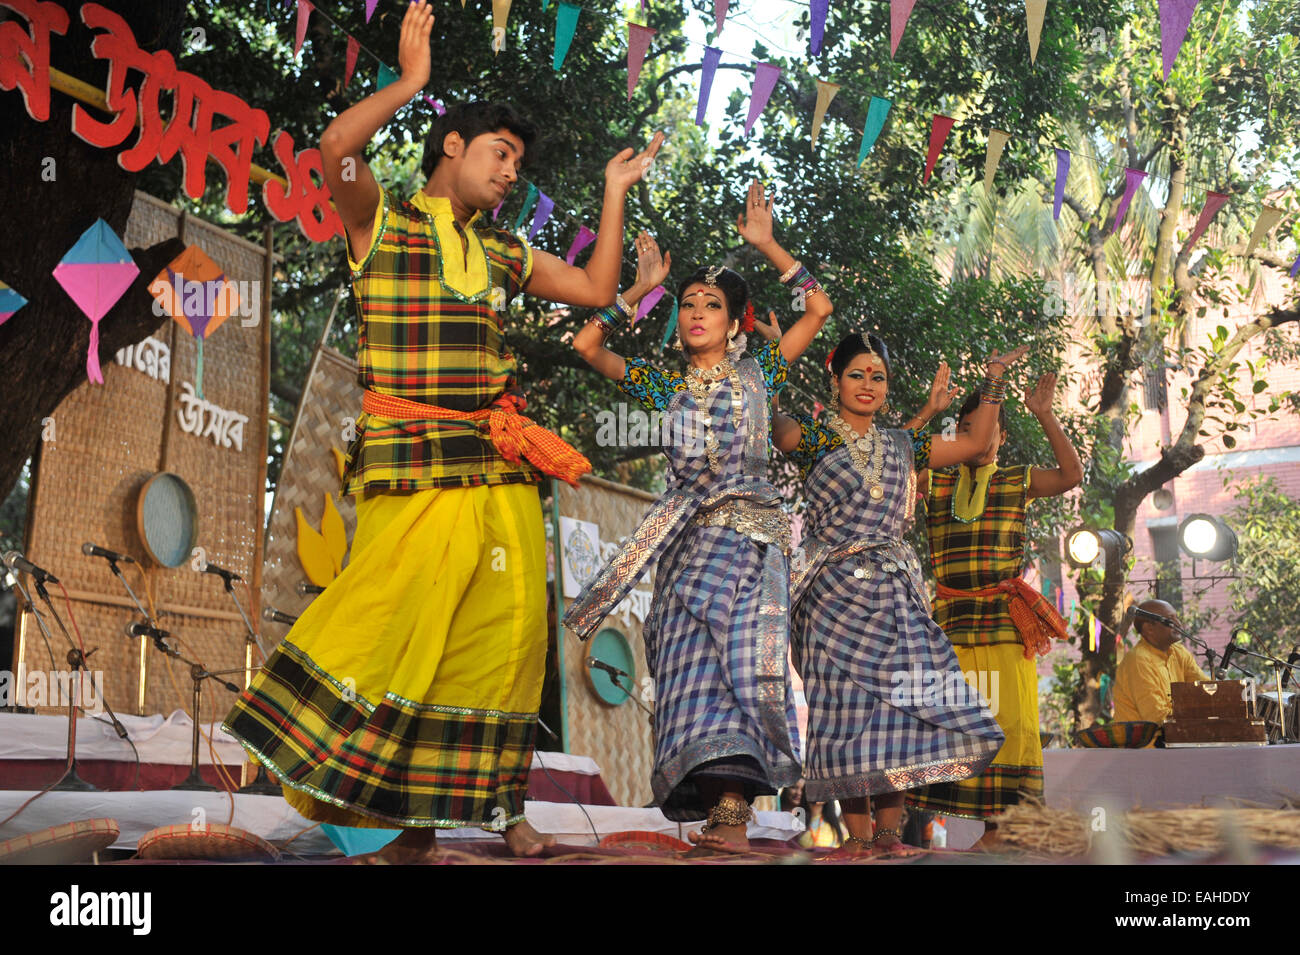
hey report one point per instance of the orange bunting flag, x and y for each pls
(997, 140)
(825, 93)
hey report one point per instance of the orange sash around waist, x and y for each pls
(512, 434)
(1035, 619)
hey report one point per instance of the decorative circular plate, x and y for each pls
(652, 843)
(67, 844)
(1123, 735)
(610, 646)
(213, 840)
(168, 519)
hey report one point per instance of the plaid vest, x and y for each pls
(431, 301)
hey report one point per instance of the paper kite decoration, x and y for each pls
(95, 272)
(196, 293)
(10, 302)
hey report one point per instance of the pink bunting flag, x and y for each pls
(435, 105)
(370, 8)
(497, 211)
(765, 77)
(650, 301)
(305, 7)
(1175, 18)
(719, 14)
(1213, 203)
(712, 55)
(1132, 179)
(583, 239)
(545, 205)
(899, 11)
(638, 41)
(938, 133)
(350, 60)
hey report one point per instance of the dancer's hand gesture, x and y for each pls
(755, 223)
(413, 56)
(651, 267)
(1038, 400)
(770, 330)
(941, 395)
(997, 364)
(626, 169)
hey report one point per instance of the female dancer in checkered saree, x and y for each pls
(888, 709)
(717, 635)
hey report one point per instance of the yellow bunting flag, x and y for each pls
(500, 13)
(1268, 218)
(1034, 10)
(997, 139)
(825, 93)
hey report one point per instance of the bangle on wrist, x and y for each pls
(608, 318)
(993, 391)
(621, 304)
(790, 272)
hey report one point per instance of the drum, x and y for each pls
(1268, 711)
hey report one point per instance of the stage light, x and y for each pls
(1085, 545)
(1205, 537)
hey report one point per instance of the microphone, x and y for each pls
(1291, 661)
(90, 550)
(227, 575)
(16, 561)
(1157, 618)
(270, 613)
(305, 589)
(1227, 655)
(593, 663)
(144, 630)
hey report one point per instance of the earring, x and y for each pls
(835, 391)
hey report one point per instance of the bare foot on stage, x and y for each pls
(412, 847)
(719, 839)
(991, 841)
(895, 848)
(525, 841)
(852, 850)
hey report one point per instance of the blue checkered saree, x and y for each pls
(888, 709)
(717, 635)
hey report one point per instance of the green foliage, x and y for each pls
(1267, 523)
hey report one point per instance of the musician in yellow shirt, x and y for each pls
(1142, 678)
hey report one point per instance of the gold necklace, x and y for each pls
(700, 382)
(867, 452)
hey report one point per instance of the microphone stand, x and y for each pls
(1278, 666)
(261, 784)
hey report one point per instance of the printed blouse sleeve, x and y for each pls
(774, 365)
(814, 441)
(649, 385)
(920, 448)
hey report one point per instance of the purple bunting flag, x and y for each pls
(545, 206)
(765, 77)
(1062, 171)
(650, 301)
(1175, 18)
(1132, 179)
(817, 10)
(711, 57)
(583, 239)
(638, 41)
(1213, 203)
(1295, 267)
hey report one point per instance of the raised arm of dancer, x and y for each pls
(941, 396)
(955, 448)
(755, 227)
(1068, 473)
(596, 283)
(785, 432)
(651, 271)
(351, 184)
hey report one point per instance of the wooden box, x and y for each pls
(1203, 699)
(1212, 731)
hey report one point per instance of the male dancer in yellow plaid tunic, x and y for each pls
(406, 695)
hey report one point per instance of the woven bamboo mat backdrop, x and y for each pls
(308, 473)
(616, 737)
(108, 441)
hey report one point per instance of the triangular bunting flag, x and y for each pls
(651, 299)
(638, 41)
(529, 199)
(672, 326)
(993, 156)
(10, 302)
(545, 206)
(385, 76)
(1175, 18)
(497, 211)
(1213, 203)
(939, 130)
(876, 113)
(1268, 218)
(899, 11)
(350, 60)
(825, 93)
(817, 10)
(566, 22)
(719, 14)
(370, 8)
(500, 14)
(765, 77)
(1132, 179)
(305, 8)
(434, 104)
(1062, 173)
(1295, 267)
(711, 57)
(1034, 10)
(583, 239)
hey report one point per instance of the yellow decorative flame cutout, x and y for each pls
(334, 533)
(313, 552)
(338, 461)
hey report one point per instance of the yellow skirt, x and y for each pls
(407, 693)
(1010, 683)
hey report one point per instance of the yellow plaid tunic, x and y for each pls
(431, 300)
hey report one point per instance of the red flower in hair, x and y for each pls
(828, 360)
(747, 323)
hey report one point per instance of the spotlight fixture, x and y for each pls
(1205, 537)
(1085, 545)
